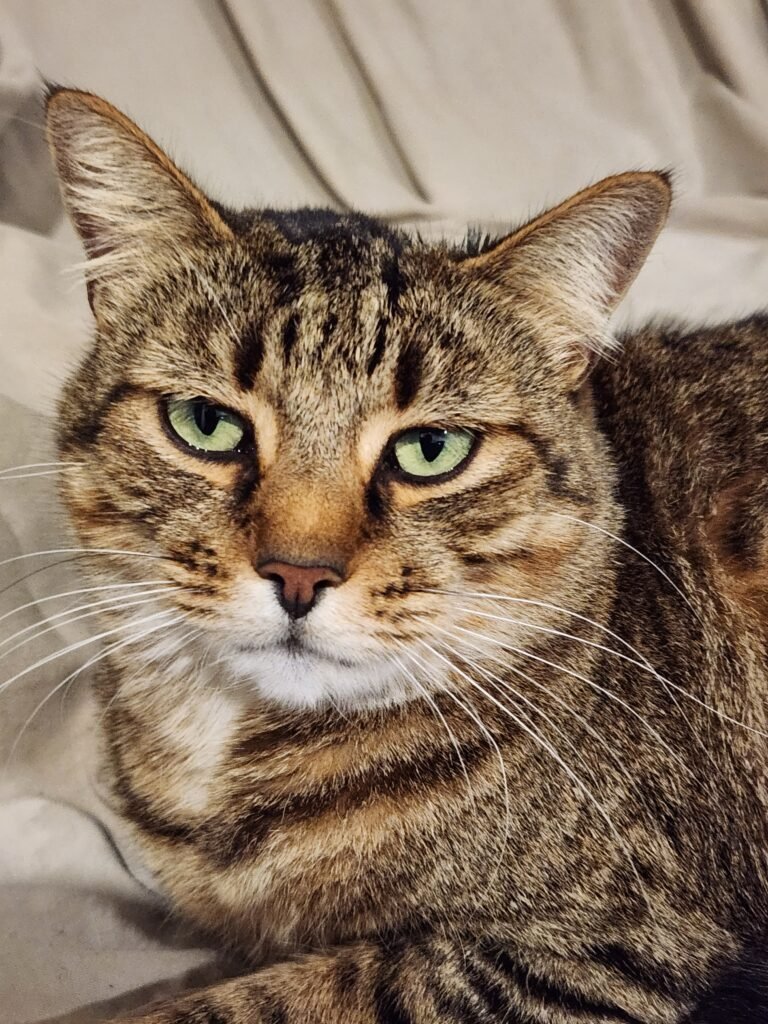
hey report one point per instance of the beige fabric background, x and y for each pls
(432, 112)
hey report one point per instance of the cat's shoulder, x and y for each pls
(674, 355)
(686, 411)
(707, 384)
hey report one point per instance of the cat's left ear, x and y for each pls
(564, 272)
(128, 201)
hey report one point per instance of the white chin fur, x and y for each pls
(305, 680)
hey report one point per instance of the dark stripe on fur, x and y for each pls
(387, 1005)
(476, 558)
(393, 282)
(407, 374)
(88, 428)
(458, 1008)
(249, 357)
(552, 993)
(247, 482)
(485, 986)
(240, 838)
(201, 1014)
(376, 500)
(640, 973)
(739, 997)
(379, 345)
(329, 326)
(135, 806)
(290, 333)
(285, 276)
(273, 1011)
(557, 466)
(140, 811)
(296, 733)
(346, 977)
(449, 339)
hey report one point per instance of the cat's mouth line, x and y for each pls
(294, 647)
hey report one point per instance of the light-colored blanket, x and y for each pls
(431, 112)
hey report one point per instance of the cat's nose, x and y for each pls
(298, 586)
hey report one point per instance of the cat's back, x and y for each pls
(686, 412)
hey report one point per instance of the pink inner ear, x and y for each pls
(632, 251)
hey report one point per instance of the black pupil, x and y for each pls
(432, 443)
(206, 417)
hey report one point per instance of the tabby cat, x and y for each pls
(453, 704)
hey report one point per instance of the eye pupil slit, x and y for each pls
(432, 443)
(204, 427)
(206, 418)
(429, 453)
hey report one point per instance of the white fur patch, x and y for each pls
(307, 681)
(199, 731)
(328, 657)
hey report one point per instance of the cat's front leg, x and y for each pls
(430, 981)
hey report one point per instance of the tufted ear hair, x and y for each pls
(126, 198)
(565, 271)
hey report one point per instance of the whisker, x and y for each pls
(554, 754)
(73, 675)
(189, 637)
(501, 685)
(85, 552)
(642, 662)
(559, 632)
(550, 693)
(473, 715)
(25, 120)
(630, 547)
(645, 665)
(36, 572)
(75, 593)
(468, 594)
(97, 608)
(438, 713)
(39, 465)
(76, 646)
(31, 476)
(589, 682)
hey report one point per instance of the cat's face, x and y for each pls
(332, 436)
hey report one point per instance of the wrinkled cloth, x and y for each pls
(433, 114)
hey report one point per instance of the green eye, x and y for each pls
(431, 452)
(204, 426)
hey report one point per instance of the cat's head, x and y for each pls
(333, 435)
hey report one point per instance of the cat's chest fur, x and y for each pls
(279, 834)
(241, 819)
(293, 833)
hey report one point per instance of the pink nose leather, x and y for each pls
(298, 585)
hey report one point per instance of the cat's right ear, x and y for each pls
(565, 271)
(128, 201)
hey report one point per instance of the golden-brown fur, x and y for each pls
(513, 767)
